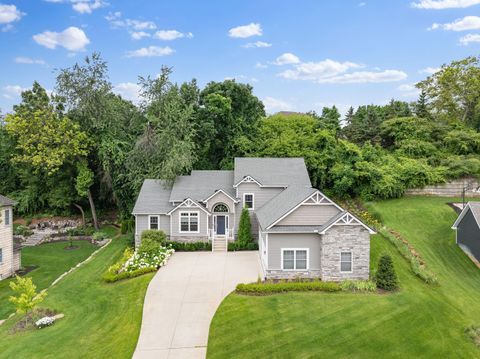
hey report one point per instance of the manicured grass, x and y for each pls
(101, 320)
(418, 321)
(52, 260)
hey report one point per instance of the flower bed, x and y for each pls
(135, 263)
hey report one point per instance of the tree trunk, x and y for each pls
(83, 213)
(94, 212)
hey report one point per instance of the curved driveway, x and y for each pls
(182, 298)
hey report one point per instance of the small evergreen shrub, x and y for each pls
(245, 228)
(190, 246)
(155, 235)
(386, 276)
(238, 246)
(265, 288)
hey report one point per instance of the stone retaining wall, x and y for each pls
(451, 189)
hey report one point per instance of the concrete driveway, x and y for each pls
(182, 298)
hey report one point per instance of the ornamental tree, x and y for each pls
(245, 228)
(27, 298)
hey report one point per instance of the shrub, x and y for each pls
(20, 230)
(81, 231)
(265, 288)
(154, 235)
(473, 332)
(245, 227)
(238, 246)
(358, 286)
(386, 276)
(190, 246)
(27, 298)
(99, 236)
(127, 225)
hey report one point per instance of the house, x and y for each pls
(300, 231)
(9, 252)
(467, 229)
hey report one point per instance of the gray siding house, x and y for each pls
(9, 252)
(467, 227)
(300, 231)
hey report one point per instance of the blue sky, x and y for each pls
(298, 55)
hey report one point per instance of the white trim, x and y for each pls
(247, 179)
(348, 219)
(136, 225)
(180, 222)
(295, 259)
(351, 260)
(253, 201)
(188, 203)
(216, 192)
(462, 214)
(158, 221)
(266, 245)
(317, 196)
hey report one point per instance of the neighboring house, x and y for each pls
(9, 252)
(300, 231)
(467, 227)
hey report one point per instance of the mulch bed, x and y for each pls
(28, 321)
(71, 248)
(26, 270)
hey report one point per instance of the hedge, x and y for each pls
(190, 246)
(283, 287)
(110, 277)
(238, 246)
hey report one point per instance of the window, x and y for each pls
(220, 208)
(1, 255)
(7, 217)
(295, 259)
(248, 200)
(346, 262)
(153, 222)
(189, 222)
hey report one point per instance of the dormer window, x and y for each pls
(248, 200)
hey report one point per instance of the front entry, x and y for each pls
(220, 225)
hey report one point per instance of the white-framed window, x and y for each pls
(1, 255)
(154, 222)
(248, 200)
(7, 217)
(295, 259)
(346, 262)
(189, 222)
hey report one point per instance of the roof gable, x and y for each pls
(345, 219)
(5, 201)
(474, 207)
(187, 203)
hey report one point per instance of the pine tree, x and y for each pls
(245, 228)
(421, 107)
(386, 276)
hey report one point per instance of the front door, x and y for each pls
(221, 224)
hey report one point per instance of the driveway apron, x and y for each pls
(182, 298)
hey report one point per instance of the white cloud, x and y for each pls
(259, 65)
(12, 92)
(138, 35)
(72, 39)
(29, 61)
(168, 35)
(129, 91)
(273, 104)
(362, 4)
(467, 39)
(287, 58)
(151, 51)
(115, 19)
(466, 23)
(330, 71)
(444, 4)
(409, 90)
(140, 25)
(242, 78)
(9, 14)
(430, 70)
(252, 29)
(86, 6)
(256, 44)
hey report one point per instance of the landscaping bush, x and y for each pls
(81, 231)
(20, 230)
(155, 235)
(238, 246)
(386, 277)
(99, 236)
(190, 246)
(245, 228)
(127, 225)
(358, 286)
(473, 332)
(265, 288)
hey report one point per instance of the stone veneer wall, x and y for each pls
(451, 189)
(355, 239)
(279, 274)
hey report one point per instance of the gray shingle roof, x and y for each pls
(295, 229)
(153, 198)
(273, 171)
(202, 184)
(282, 204)
(5, 201)
(475, 208)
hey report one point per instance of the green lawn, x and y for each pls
(52, 260)
(101, 320)
(419, 321)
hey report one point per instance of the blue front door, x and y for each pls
(221, 225)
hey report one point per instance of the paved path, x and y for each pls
(182, 298)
